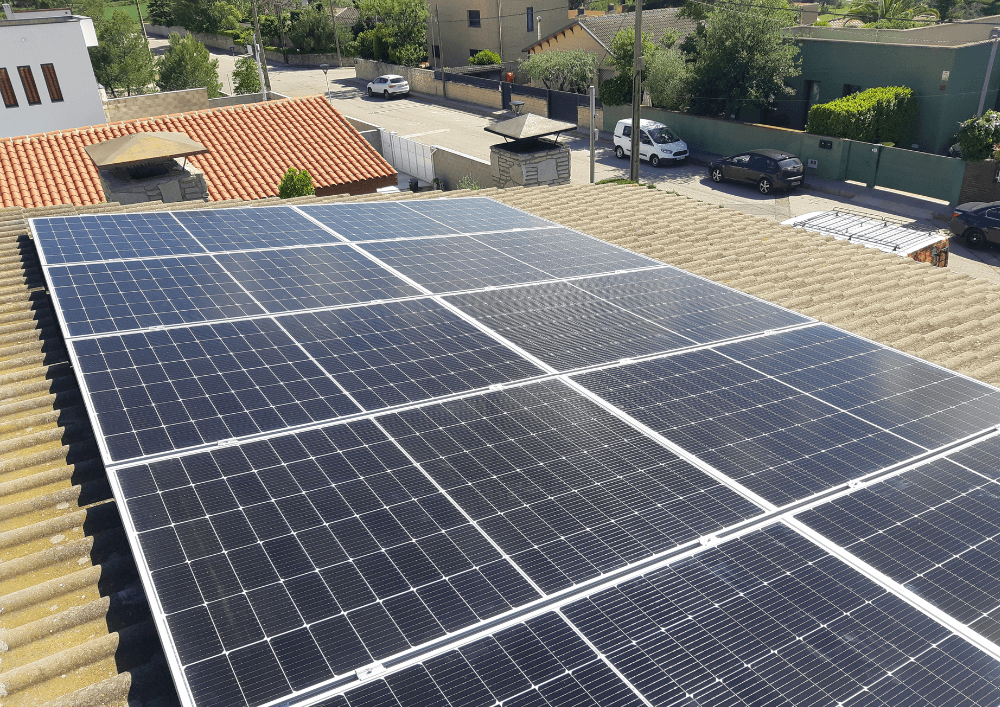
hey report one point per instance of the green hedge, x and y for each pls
(885, 114)
(616, 91)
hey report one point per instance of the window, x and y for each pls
(758, 163)
(741, 160)
(627, 131)
(474, 19)
(28, 81)
(437, 51)
(52, 82)
(531, 19)
(7, 90)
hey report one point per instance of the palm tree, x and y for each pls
(874, 10)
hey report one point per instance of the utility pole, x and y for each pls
(593, 119)
(437, 21)
(259, 42)
(638, 62)
(336, 35)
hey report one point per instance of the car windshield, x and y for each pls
(790, 163)
(661, 136)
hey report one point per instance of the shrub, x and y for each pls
(467, 182)
(978, 137)
(885, 114)
(616, 91)
(295, 183)
(485, 58)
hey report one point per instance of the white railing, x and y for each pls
(408, 156)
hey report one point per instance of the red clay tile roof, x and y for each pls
(251, 148)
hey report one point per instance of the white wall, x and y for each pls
(60, 43)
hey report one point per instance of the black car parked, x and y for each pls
(768, 169)
(977, 222)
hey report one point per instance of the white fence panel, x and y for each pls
(408, 156)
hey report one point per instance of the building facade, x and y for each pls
(46, 78)
(460, 29)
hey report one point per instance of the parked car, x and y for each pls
(656, 142)
(389, 85)
(977, 222)
(768, 169)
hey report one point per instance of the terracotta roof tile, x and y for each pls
(246, 159)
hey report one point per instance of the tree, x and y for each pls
(295, 183)
(621, 53)
(205, 15)
(122, 62)
(187, 64)
(313, 31)
(94, 9)
(562, 71)
(404, 30)
(246, 78)
(666, 78)
(743, 58)
(876, 10)
(978, 137)
(161, 12)
(485, 58)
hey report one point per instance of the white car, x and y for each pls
(389, 85)
(656, 142)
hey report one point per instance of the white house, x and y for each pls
(46, 78)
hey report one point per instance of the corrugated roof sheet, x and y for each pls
(251, 146)
(74, 623)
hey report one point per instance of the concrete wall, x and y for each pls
(242, 99)
(450, 167)
(62, 43)
(942, 103)
(532, 104)
(913, 172)
(153, 104)
(952, 33)
(583, 118)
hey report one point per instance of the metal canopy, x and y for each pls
(528, 126)
(143, 146)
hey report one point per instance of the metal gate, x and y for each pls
(862, 162)
(408, 156)
(563, 106)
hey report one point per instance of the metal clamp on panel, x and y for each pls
(370, 671)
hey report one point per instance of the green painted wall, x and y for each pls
(906, 170)
(868, 65)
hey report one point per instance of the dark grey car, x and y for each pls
(768, 169)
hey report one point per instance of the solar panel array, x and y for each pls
(448, 453)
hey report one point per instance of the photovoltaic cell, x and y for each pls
(935, 529)
(452, 264)
(701, 311)
(564, 253)
(780, 443)
(97, 298)
(282, 563)
(476, 215)
(922, 403)
(248, 229)
(402, 352)
(384, 220)
(76, 239)
(566, 327)
(308, 278)
(565, 488)
(771, 619)
(161, 391)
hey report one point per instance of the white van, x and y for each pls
(656, 142)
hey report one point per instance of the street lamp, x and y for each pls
(326, 67)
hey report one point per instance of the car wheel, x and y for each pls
(386, 94)
(974, 238)
(619, 152)
(765, 185)
(716, 174)
(370, 92)
(654, 161)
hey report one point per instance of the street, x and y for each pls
(459, 127)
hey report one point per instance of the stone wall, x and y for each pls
(153, 104)
(980, 182)
(473, 94)
(529, 163)
(533, 104)
(451, 167)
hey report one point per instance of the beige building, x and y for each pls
(595, 33)
(459, 29)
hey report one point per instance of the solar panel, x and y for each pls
(382, 221)
(451, 264)
(935, 529)
(565, 326)
(564, 487)
(781, 443)
(162, 391)
(308, 556)
(310, 278)
(248, 229)
(327, 466)
(403, 352)
(565, 253)
(97, 298)
(77, 239)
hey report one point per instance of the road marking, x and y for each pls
(427, 132)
